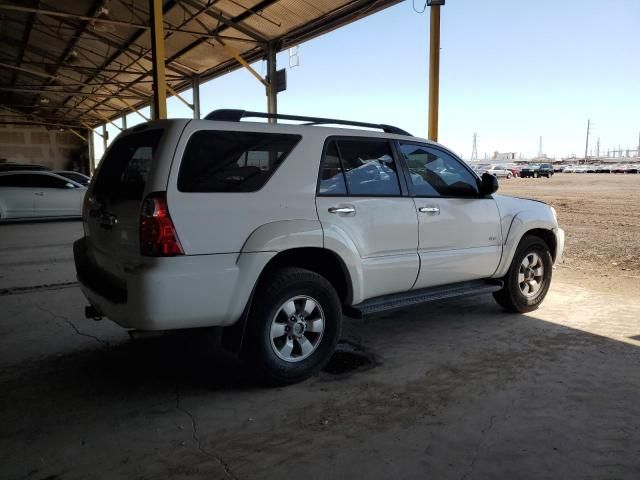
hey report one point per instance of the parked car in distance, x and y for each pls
(500, 171)
(11, 166)
(77, 177)
(35, 194)
(273, 230)
(536, 170)
(515, 169)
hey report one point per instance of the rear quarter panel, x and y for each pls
(210, 223)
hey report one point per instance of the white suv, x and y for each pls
(275, 230)
(500, 171)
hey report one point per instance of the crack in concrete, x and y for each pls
(484, 431)
(72, 325)
(196, 437)
(35, 288)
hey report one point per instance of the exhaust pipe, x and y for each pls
(93, 313)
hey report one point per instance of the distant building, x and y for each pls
(503, 156)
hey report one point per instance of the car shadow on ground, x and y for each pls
(446, 374)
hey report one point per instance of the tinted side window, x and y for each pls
(10, 181)
(369, 167)
(435, 173)
(47, 181)
(331, 175)
(23, 180)
(232, 161)
(124, 171)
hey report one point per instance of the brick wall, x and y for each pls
(36, 144)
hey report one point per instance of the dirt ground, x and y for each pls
(600, 214)
(456, 389)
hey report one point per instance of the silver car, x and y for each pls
(39, 194)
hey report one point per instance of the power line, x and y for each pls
(474, 151)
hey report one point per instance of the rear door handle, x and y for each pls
(430, 210)
(342, 210)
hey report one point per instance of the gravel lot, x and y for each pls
(457, 389)
(601, 217)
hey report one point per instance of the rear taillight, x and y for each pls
(158, 237)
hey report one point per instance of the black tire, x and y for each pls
(535, 175)
(511, 296)
(272, 293)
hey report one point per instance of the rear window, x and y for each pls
(124, 172)
(217, 161)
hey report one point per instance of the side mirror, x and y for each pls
(69, 185)
(489, 184)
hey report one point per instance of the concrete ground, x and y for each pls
(459, 389)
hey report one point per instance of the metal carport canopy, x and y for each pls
(80, 63)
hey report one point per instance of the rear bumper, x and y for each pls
(173, 293)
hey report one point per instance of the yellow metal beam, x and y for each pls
(81, 137)
(159, 104)
(106, 119)
(434, 72)
(173, 92)
(134, 109)
(235, 54)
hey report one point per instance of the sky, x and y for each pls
(512, 71)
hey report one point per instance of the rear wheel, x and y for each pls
(294, 326)
(509, 175)
(529, 277)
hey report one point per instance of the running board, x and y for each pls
(416, 297)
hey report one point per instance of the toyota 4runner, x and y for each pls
(276, 230)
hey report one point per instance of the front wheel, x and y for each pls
(294, 326)
(529, 277)
(509, 175)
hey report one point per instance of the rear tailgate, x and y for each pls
(112, 211)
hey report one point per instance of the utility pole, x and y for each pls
(434, 67)
(474, 151)
(540, 148)
(586, 146)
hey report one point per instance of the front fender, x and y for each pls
(522, 223)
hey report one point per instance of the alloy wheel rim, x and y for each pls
(531, 274)
(297, 328)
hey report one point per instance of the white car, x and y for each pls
(274, 230)
(500, 171)
(39, 194)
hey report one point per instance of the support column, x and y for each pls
(272, 94)
(434, 71)
(124, 121)
(195, 86)
(92, 157)
(105, 137)
(159, 102)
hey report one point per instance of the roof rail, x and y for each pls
(231, 115)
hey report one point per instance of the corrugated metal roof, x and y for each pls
(60, 65)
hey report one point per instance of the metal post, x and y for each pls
(195, 86)
(434, 72)
(105, 137)
(159, 103)
(92, 157)
(586, 146)
(272, 94)
(124, 121)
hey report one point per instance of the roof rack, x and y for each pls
(231, 115)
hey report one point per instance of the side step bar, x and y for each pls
(415, 297)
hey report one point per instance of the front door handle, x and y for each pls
(342, 210)
(40, 194)
(430, 210)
